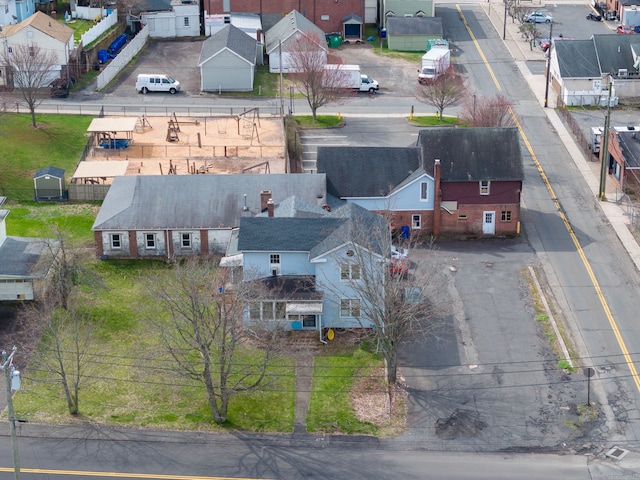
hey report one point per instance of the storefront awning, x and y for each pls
(314, 308)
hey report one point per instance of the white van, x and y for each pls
(156, 83)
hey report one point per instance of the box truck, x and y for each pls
(353, 78)
(434, 63)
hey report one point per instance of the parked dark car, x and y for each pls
(594, 17)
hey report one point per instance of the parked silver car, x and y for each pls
(538, 17)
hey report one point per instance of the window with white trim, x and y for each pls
(115, 240)
(349, 271)
(274, 264)
(150, 240)
(268, 310)
(424, 191)
(416, 221)
(185, 240)
(484, 187)
(186, 21)
(349, 307)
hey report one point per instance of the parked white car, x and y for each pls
(538, 17)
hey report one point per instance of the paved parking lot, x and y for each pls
(177, 58)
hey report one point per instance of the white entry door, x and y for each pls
(489, 223)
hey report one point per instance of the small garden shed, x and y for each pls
(353, 28)
(49, 184)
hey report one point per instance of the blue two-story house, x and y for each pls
(311, 263)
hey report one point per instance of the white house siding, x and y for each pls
(274, 60)
(123, 251)
(160, 248)
(227, 72)
(218, 240)
(7, 12)
(196, 243)
(16, 289)
(161, 24)
(33, 36)
(192, 14)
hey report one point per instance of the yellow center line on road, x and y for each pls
(565, 220)
(80, 473)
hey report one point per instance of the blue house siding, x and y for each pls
(257, 264)
(406, 198)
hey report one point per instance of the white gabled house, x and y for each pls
(44, 32)
(281, 38)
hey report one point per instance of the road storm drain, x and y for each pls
(617, 453)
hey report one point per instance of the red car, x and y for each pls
(399, 267)
(625, 29)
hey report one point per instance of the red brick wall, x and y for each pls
(472, 224)
(312, 9)
(97, 236)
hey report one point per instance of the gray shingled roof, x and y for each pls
(233, 39)
(614, 52)
(314, 235)
(472, 154)
(291, 23)
(53, 171)
(577, 59)
(295, 207)
(630, 146)
(198, 201)
(414, 26)
(366, 171)
(19, 257)
(353, 18)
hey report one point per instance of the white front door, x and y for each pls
(489, 223)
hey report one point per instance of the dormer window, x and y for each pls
(484, 187)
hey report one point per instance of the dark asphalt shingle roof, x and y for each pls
(233, 39)
(313, 235)
(366, 171)
(19, 257)
(614, 52)
(630, 145)
(198, 201)
(53, 171)
(472, 154)
(577, 59)
(414, 26)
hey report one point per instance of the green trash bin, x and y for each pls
(335, 41)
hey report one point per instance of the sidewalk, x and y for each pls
(590, 170)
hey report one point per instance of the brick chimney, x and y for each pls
(265, 195)
(270, 207)
(437, 198)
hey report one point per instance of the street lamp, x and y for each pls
(546, 88)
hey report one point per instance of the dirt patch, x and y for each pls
(372, 403)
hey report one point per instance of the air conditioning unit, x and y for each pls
(623, 72)
(275, 271)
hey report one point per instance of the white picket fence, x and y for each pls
(123, 58)
(99, 28)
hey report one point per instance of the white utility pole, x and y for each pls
(12, 382)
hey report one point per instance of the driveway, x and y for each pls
(177, 58)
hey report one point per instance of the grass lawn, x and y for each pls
(132, 381)
(433, 121)
(333, 377)
(58, 141)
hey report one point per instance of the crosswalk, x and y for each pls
(311, 140)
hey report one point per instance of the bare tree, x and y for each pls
(206, 318)
(31, 69)
(478, 111)
(66, 265)
(398, 296)
(319, 85)
(444, 91)
(68, 338)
